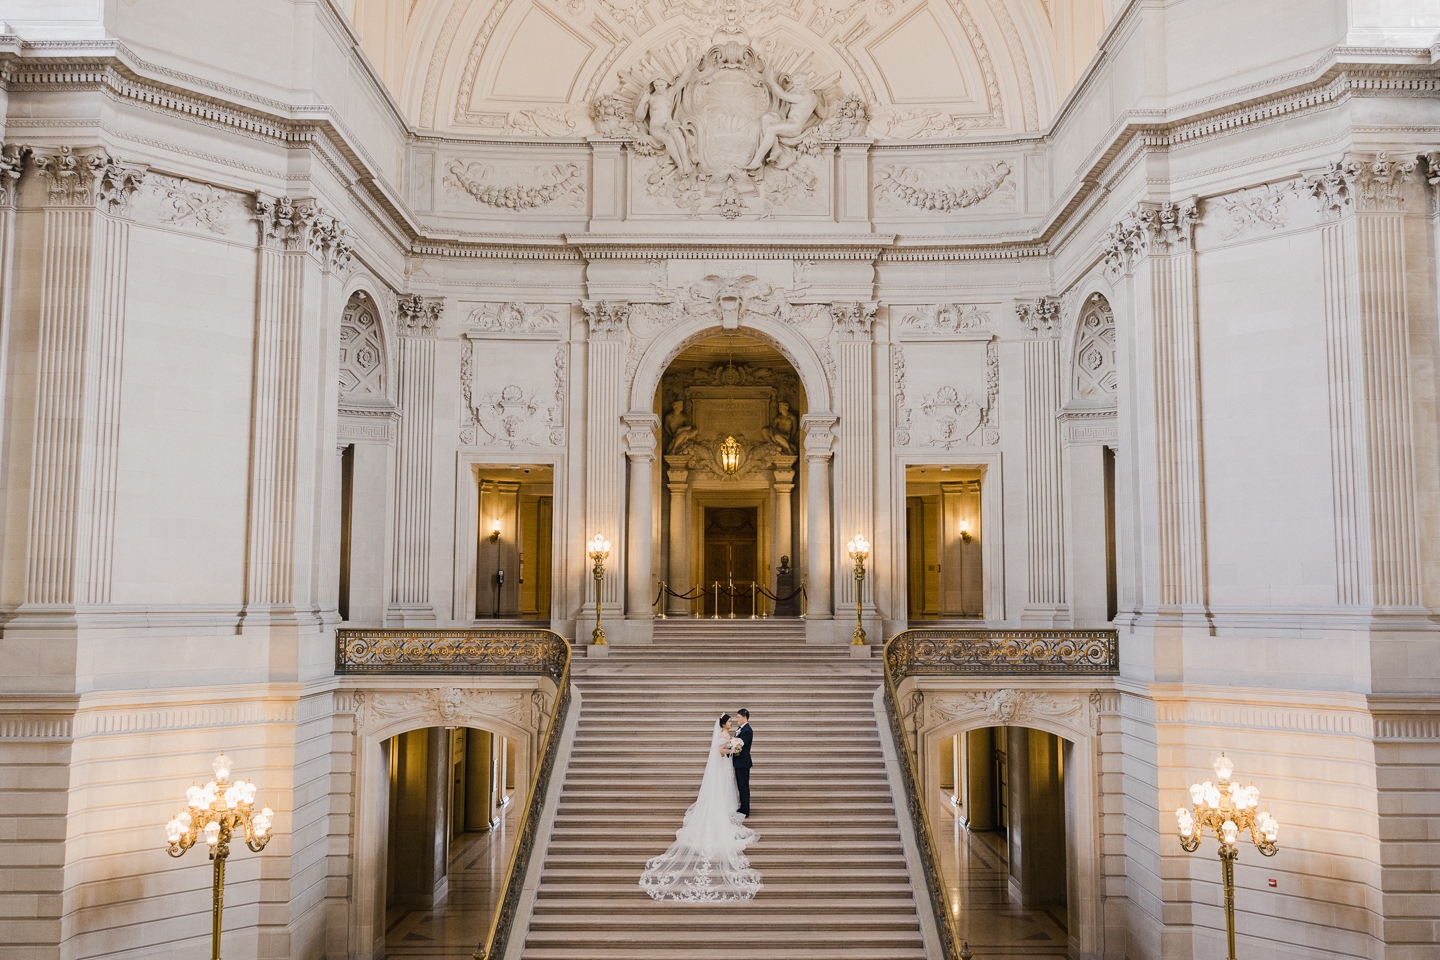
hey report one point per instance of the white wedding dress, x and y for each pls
(707, 861)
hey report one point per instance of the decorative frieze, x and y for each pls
(514, 318)
(932, 192)
(480, 182)
(1264, 208)
(942, 320)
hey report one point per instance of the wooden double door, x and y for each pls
(732, 546)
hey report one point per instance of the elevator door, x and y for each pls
(731, 548)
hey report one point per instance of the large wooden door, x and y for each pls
(732, 541)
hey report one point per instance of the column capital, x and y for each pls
(1040, 316)
(819, 429)
(640, 441)
(1151, 229)
(607, 318)
(84, 179)
(854, 318)
(418, 316)
(289, 224)
(12, 165)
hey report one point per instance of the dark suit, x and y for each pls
(743, 762)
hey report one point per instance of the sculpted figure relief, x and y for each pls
(781, 429)
(680, 428)
(656, 109)
(793, 112)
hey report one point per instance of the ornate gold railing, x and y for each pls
(470, 652)
(960, 652)
(1000, 652)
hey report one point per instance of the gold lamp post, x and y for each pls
(859, 549)
(599, 549)
(1225, 809)
(218, 811)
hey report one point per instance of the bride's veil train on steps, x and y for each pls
(707, 861)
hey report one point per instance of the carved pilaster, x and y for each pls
(80, 358)
(640, 445)
(854, 462)
(1367, 329)
(819, 442)
(604, 460)
(418, 319)
(1044, 501)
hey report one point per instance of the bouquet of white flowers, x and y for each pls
(736, 745)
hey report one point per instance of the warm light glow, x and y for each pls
(859, 547)
(1186, 821)
(212, 832)
(964, 526)
(1229, 832)
(262, 821)
(194, 796)
(599, 548)
(222, 767)
(1223, 767)
(173, 830)
(730, 455)
(1197, 793)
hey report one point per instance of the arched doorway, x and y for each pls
(730, 406)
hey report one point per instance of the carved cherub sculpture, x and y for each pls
(781, 429)
(678, 425)
(656, 110)
(802, 103)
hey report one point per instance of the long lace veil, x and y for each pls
(707, 861)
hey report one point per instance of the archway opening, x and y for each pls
(448, 835)
(730, 408)
(1005, 829)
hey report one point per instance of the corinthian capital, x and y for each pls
(607, 318)
(1379, 182)
(1040, 316)
(419, 316)
(1151, 228)
(12, 165)
(79, 180)
(853, 319)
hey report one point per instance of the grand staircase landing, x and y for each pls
(836, 882)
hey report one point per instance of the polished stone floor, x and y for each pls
(976, 880)
(452, 930)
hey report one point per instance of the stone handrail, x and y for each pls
(975, 652)
(957, 652)
(468, 652)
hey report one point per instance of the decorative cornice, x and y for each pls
(80, 180)
(595, 246)
(418, 316)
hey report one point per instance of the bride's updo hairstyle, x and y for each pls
(724, 719)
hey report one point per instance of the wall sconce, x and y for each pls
(730, 456)
(495, 533)
(965, 531)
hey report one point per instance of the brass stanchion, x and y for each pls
(699, 591)
(716, 614)
(754, 603)
(664, 601)
(730, 592)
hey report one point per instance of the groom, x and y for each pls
(743, 762)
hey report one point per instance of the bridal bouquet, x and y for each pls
(736, 745)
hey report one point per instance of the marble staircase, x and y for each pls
(836, 882)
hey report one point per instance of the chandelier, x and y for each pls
(730, 456)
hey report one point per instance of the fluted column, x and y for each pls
(418, 317)
(1155, 244)
(604, 459)
(1046, 598)
(783, 487)
(299, 243)
(1367, 326)
(80, 355)
(855, 451)
(12, 164)
(640, 446)
(819, 430)
(679, 573)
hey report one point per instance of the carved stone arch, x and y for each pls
(367, 348)
(1093, 374)
(671, 343)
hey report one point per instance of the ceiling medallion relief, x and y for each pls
(728, 132)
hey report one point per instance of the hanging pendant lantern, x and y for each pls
(730, 456)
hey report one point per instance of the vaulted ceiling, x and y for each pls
(927, 68)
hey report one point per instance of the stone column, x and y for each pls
(855, 453)
(79, 356)
(12, 165)
(604, 461)
(678, 474)
(1046, 602)
(819, 442)
(640, 446)
(414, 461)
(783, 486)
(1155, 245)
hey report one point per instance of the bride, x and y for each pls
(707, 861)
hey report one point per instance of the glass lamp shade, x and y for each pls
(1197, 793)
(185, 819)
(222, 767)
(1271, 829)
(262, 821)
(1212, 795)
(212, 832)
(859, 547)
(730, 455)
(232, 796)
(599, 548)
(1223, 767)
(207, 796)
(1229, 832)
(249, 788)
(1252, 794)
(174, 831)
(195, 796)
(1186, 821)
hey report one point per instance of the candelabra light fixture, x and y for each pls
(1225, 809)
(219, 811)
(495, 531)
(965, 531)
(859, 549)
(730, 456)
(599, 550)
